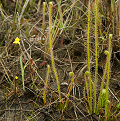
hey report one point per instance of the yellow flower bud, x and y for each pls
(16, 41)
(16, 77)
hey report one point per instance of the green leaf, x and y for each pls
(22, 71)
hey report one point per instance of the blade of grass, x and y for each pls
(22, 71)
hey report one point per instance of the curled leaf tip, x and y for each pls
(50, 3)
(110, 35)
(103, 91)
(106, 52)
(87, 73)
(71, 74)
(48, 66)
(44, 3)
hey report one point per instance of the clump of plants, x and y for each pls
(102, 104)
(35, 73)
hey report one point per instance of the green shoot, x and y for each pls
(109, 51)
(22, 71)
(72, 75)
